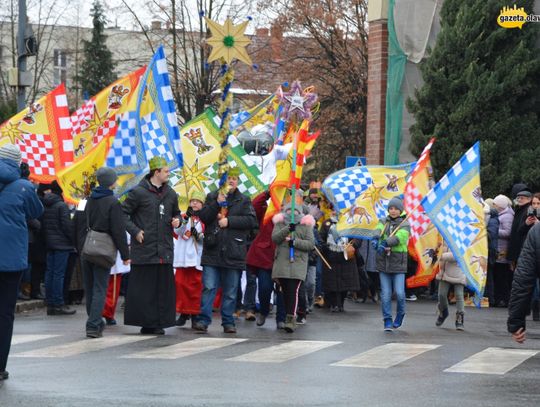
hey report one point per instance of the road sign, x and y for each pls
(354, 161)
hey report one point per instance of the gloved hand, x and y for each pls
(292, 227)
(189, 212)
(194, 233)
(381, 249)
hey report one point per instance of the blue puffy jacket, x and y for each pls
(18, 202)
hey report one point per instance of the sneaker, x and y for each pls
(199, 327)
(300, 320)
(182, 319)
(442, 316)
(4, 375)
(280, 325)
(110, 321)
(62, 310)
(388, 325)
(250, 316)
(398, 321)
(229, 329)
(159, 331)
(460, 316)
(334, 309)
(290, 325)
(411, 297)
(94, 334)
(261, 319)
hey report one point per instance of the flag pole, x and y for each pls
(293, 196)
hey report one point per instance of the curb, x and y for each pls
(24, 306)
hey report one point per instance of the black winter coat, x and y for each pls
(518, 233)
(525, 275)
(56, 223)
(227, 247)
(104, 215)
(152, 210)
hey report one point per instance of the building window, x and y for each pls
(60, 66)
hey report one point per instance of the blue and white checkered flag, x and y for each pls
(343, 187)
(150, 126)
(455, 206)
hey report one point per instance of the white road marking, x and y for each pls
(282, 353)
(83, 346)
(493, 361)
(385, 356)
(23, 338)
(181, 350)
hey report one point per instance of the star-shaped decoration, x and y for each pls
(12, 132)
(298, 102)
(228, 41)
(193, 176)
(96, 121)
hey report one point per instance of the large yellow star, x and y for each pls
(194, 176)
(228, 41)
(12, 132)
(96, 122)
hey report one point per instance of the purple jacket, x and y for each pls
(506, 217)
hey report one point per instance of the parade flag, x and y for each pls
(43, 133)
(359, 220)
(259, 114)
(284, 176)
(343, 187)
(149, 128)
(305, 144)
(97, 117)
(455, 206)
(78, 179)
(425, 242)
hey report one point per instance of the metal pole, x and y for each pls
(21, 51)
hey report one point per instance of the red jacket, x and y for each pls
(261, 251)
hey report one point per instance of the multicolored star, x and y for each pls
(298, 102)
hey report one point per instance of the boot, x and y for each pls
(441, 317)
(290, 323)
(459, 321)
(536, 310)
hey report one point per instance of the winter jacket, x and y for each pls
(104, 215)
(227, 247)
(505, 227)
(493, 235)
(187, 246)
(303, 243)
(18, 203)
(449, 269)
(395, 261)
(518, 233)
(344, 273)
(151, 210)
(261, 252)
(525, 275)
(57, 225)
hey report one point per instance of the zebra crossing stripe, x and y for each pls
(493, 361)
(181, 350)
(83, 346)
(23, 338)
(282, 353)
(385, 356)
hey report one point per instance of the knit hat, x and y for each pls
(157, 162)
(501, 201)
(396, 203)
(233, 172)
(11, 152)
(197, 195)
(106, 177)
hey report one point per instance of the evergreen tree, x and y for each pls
(97, 68)
(482, 82)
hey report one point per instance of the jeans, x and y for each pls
(54, 276)
(9, 289)
(318, 279)
(398, 282)
(214, 277)
(251, 291)
(96, 281)
(266, 286)
(444, 287)
(310, 284)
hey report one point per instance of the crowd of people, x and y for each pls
(175, 267)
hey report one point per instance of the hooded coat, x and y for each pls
(18, 203)
(57, 225)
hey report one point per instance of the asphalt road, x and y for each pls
(334, 360)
